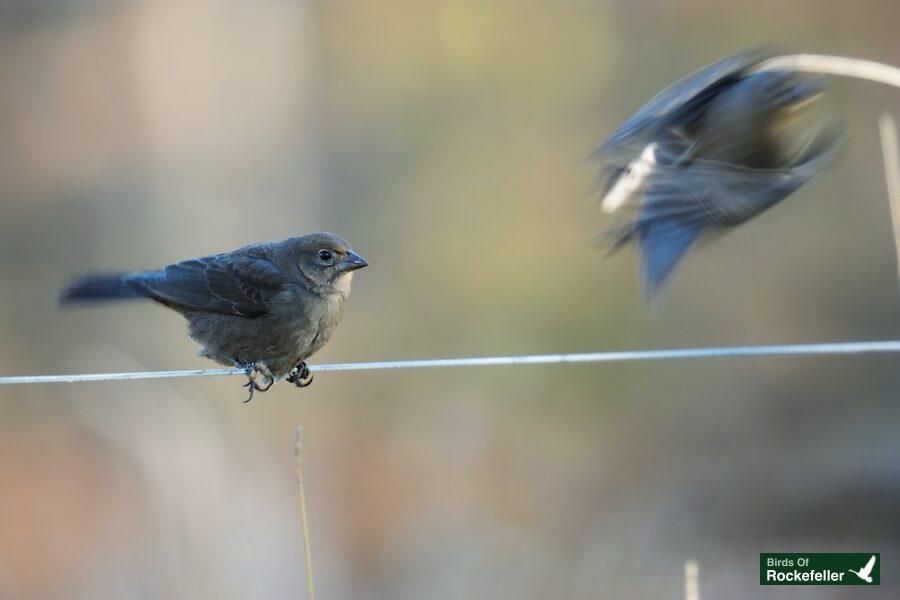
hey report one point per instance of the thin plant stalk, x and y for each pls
(691, 580)
(298, 459)
(840, 66)
(887, 128)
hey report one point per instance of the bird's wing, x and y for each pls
(680, 202)
(718, 193)
(238, 284)
(867, 570)
(679, 104)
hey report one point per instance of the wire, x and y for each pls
(836, 348)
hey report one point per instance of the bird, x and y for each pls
(866, 572)
(710, 152)
(264, 308)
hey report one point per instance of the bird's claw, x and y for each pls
(300, 375)
(252, 370)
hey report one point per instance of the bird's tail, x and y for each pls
(663, 244)
(93, 288)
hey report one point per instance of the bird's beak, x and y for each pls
(352, 262)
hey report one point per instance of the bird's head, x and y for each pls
(323, 261)
(766, 120)
(792, 100)
(803, 124)
(788, 91)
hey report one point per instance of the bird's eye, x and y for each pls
(325, 255)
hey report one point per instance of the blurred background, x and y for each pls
(447, 141)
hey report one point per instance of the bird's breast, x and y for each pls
(342, 283)
(316, 323)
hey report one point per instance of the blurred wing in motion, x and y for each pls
(679, 105)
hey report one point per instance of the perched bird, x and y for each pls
(264, 308)
(713, 150)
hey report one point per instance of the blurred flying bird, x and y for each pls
(712, 150)
(264, 308)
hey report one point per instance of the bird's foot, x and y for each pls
(300, 375)
(253, 370)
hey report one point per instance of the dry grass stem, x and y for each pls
(691, 580)
(841, 66)
(887, 128)
(298, 459)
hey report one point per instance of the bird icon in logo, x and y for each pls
(866, 572)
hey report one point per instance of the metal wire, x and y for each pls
(836, 348)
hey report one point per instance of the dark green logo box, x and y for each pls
(819, 568)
